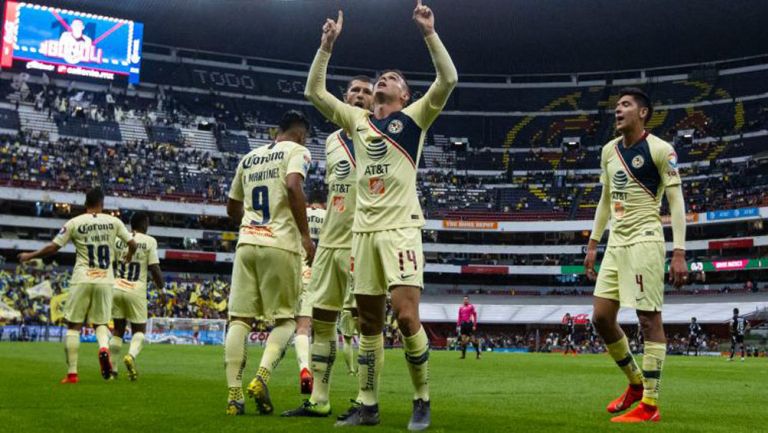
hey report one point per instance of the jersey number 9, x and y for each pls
(260, 203)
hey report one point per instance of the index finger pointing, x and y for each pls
(418, 3)
(340, 19)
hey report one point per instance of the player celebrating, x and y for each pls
(386, 245)
(267, 200)
(330, 283)
(467, 324)
(90, 295)
(570, 331)
(129, 302)
(638, 168)
(694, 333)
(315, 216)
(739, 327)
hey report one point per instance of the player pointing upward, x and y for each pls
(386, 245)
(638, 169)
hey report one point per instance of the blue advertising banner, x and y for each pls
(733, 213)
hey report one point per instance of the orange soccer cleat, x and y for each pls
(71, 378)
(306, 380)
(642, 413)
(633, 394)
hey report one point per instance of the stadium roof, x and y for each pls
(485, 37)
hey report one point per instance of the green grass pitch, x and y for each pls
(182, 389)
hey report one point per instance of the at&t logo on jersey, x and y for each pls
(376, 149)
(342, 169)
(620, 180)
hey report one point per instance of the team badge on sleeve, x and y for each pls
(63, 230)
(672, 160)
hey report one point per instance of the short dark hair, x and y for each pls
(398, 72)
(139, 220)
(293, 118)
(735, 311)
(364, 78)
(640, 97)
(94, 197)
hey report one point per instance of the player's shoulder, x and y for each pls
(145, 238)
(610, 146)
(656, 144)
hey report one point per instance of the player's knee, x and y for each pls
(648, 324)
(408, 320)
(603, 322)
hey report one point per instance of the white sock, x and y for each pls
(71, 346)
(136, 341)
(301, 344)
(235, 357)
(102, 336)
(115, 346)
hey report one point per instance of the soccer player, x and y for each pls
(467, 324)
(90, 295)
(570, 331)
(591, 334)
(694, 333)
(315, 217)
(267, 200)
(386, 241)
(129, 301)
(638, 168)
(739, 327)
(330, 284)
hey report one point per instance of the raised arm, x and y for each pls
(315, 91)
(426, 109)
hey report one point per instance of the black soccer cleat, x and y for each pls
(359, 414)
(421, 417)
(105, 364)
(309, 409)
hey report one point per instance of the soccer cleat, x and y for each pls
(258, 391)
(235, 407)
(309, 409)
(642, 413)
(130, 365)
(105, 363)
(70, 379)
(359, 414)
(352, 373)
(421, 416)
(306, 381)
(742, 359)
(113, 375)
(627, 399)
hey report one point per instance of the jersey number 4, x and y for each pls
(639, 281)
(260, 203)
